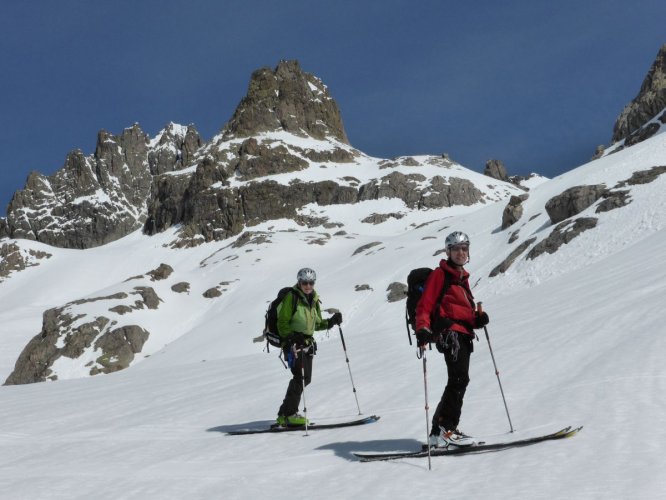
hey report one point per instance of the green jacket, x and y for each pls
(305, 319)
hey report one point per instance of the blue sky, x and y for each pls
(537, 84)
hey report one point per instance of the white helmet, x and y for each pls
(306, 274)
(456, 238)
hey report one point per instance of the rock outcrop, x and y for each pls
(396, 292)
(513, 210)
(99, 198)
(573, 201)
(496, 170)
(562, 234)
(14, 259)
(72, 335)
(288, 99)
(506, 263)
(208, 209)
(650, 101)
(215, 190)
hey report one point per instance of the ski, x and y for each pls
(478, 448)
(311, 427)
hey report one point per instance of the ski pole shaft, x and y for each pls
(344, 347)
(305, 406)
(409, 335)
(492, 355)
(427, 407)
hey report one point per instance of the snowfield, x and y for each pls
(577, 335)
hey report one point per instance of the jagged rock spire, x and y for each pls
(289, 99)
(650, 100)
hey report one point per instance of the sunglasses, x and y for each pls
(460, 248)
(307, 283)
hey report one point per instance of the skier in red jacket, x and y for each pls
(450, 324)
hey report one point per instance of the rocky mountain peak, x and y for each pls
(286, 98)
(173, 148)
(650, 101)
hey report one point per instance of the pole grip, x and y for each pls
(479, 307)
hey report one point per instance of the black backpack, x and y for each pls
(270, 325)
(415, 284)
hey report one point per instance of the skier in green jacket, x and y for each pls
(296, 331)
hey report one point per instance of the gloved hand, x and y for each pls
(336, 319)
(482, 320)
(298, 339)
(423, 336)
(441, 324)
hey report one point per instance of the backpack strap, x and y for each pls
(448, 281)
(295, 301)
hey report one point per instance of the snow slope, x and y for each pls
(576, 335)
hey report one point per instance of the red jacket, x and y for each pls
(457, 303)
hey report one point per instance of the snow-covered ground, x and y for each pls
(577, 336)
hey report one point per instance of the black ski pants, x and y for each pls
(447, 414)
(302, 365)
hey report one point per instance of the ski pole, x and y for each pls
(409, 335)
(479, 309)
(421, 353)
(305, 407)
(344, 347)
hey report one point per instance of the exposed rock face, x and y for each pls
(287, 99)
(650, 101)
(643, 176)
(173, 149)
(215, 190)
(379, 218)
(440, 193)
(71, 332)
(613, 200)
(212, 293)
(96, 199)
(260, 160)
(513, 211)
(208, 210)
(365, 247)
(396, 292)
(181, 287)
(506, 263)
(14, 259)
(118, 348)
(573, 201)
(562, 234)
(496, 170)
(161, 273)
(641, 134)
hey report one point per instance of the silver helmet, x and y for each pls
(456, 238)
(306, 274)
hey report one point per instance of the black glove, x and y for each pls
(482, 320)
(423, 336)
(336, 319)
(298, 339)
(441, 324)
